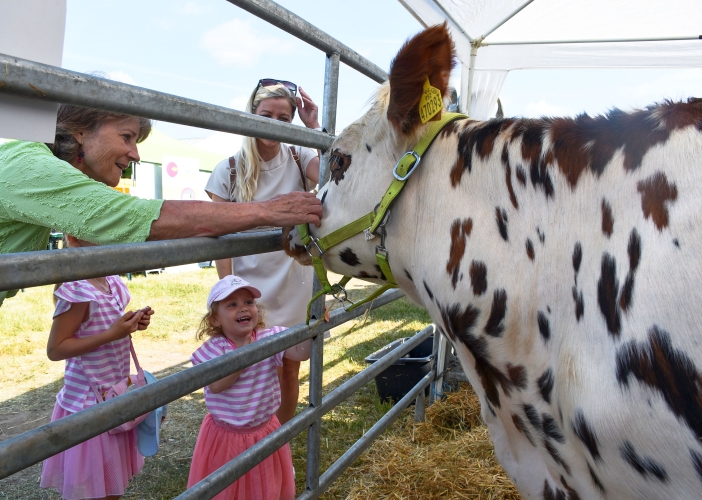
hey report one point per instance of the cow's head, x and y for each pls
(363, 156)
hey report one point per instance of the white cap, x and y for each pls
(228, 285)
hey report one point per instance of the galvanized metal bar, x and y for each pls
(314, 431)
(420, 407)
(223, 477)
(216, 482)
(434, 367)
(331, 93)
(366, 440)
(49, 83)
(28, 269)
(441, 355)
(31, 447)
(307, 32)
(350, 386)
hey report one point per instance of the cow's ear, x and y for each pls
(428, 54)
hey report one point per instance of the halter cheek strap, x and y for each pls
(371, 224)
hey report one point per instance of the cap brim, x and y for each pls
(226, 293)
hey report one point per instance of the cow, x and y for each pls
(562, 258)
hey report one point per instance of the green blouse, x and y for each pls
(39, 192)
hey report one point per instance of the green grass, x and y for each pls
(29, 382)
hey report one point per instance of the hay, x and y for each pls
(450, 456)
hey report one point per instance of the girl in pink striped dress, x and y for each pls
(91, 332)
(241, 406)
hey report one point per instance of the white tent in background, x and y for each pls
(222, 143)
(493, 37)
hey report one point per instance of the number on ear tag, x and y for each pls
(431, 103)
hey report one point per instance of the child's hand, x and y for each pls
(146, 318)
(126, 325)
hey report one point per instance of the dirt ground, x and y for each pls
(31, 382)
(37, 405)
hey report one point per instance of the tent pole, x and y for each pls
(602, 40)
(514, 13)
(465, 103)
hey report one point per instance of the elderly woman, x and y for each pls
(64, 185)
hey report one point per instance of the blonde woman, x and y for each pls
(261, 170)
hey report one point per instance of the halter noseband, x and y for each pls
(371, 224)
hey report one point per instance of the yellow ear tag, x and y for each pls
(431, 103)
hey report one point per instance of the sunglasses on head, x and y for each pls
(269, 82)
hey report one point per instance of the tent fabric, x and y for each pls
(518, 43)
(486, 90)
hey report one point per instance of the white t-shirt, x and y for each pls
(285, 285)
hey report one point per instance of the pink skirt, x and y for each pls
(99, 467)
(218, 443)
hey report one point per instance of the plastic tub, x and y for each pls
(399, 378)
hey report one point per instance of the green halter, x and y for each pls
(371, 224)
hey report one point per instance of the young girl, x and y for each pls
(91, 332)
(241, 406)
(261, 170)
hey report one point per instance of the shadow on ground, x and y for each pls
(164, 475)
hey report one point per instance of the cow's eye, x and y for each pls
(339, 161)
(338, 164)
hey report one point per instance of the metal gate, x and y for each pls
(30, 269)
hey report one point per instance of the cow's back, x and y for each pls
(562, 257)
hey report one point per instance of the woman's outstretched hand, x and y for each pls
(307, 109)
(294, 208)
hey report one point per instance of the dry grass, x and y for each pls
(29, 383)
(450, 456)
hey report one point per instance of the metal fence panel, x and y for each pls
(31, 79)
(307, 32)
(49, 83)
(34, 446)
(237, 467)
(27, 269)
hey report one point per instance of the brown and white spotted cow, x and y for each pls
(563, 259)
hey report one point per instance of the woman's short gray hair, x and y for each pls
(74, 120)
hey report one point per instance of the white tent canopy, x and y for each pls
(504, 35)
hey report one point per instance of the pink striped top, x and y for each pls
(109, 363)
(255, 396)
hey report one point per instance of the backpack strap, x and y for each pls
(296, 157)
(232, 177)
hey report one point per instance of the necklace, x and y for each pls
(102, 287)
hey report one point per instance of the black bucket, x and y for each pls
(399, 378)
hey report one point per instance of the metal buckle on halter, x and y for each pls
(382, 251)
(340, 294)
(417, 159)
(367, 232)
(314, 242)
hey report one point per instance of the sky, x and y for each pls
(214, 51)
